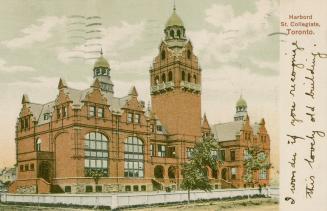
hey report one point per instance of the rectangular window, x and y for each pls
(135, 188)
(100, 112)
(214, 154)
(233, 172)
(222, 155)
(26, 167)
(129, 117)
(22, 123)
(27, 119)
(263, 174)
(143, 188)
(137, 118)
(161, 151)
(152, 150)
(46, 116)
(92, 111)
(127, 188)
(21, 168)
(247, 155)
(189, 152)
(88, 189)
(159, 128)
(32, 166)
(232, 155)
(58, 113)
(64, 111)
(68, 189)
(171, 152)
(98, 188)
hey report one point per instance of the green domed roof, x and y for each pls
(174, 20)
(241, 102)
(101, 62)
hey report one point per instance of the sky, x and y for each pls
(42, 41)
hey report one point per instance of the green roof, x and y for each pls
(174, 20)
(241, 102)
(101, 62)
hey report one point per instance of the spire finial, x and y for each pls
(101, 52)
(174, 5)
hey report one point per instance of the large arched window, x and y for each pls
(134, 157)
(96, 153)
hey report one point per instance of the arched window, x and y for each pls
(178, 33)
(163, 77)
(134, 157)
(158, 172)
(194, 79)
(163, 54)
(156, 80)
(172, 172)
(224, 174)
(96, 153)
(38, 145)
(170, 76)
(172, 33)
(189, 77)
(214, 173)
(188, 54)
(183, 76)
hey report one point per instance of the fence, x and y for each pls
(130, 199)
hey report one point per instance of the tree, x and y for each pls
(254, 160)
(96, 174)
(195, 171)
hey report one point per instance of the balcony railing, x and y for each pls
(162, 87)
(191, 86)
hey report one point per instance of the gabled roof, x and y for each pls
(227, 131)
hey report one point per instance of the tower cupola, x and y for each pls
(175, 31)
(241, 109)
(101, 71)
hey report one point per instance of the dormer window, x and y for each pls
(137, 118)
(24, 121)
(100, 112)
(64, 111)
(159, 128)
(92, 111)
(129, 117)
(46, 116)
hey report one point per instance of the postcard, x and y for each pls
(157, 105)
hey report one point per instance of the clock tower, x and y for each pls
(176, 82)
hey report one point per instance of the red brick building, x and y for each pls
(63, 144)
